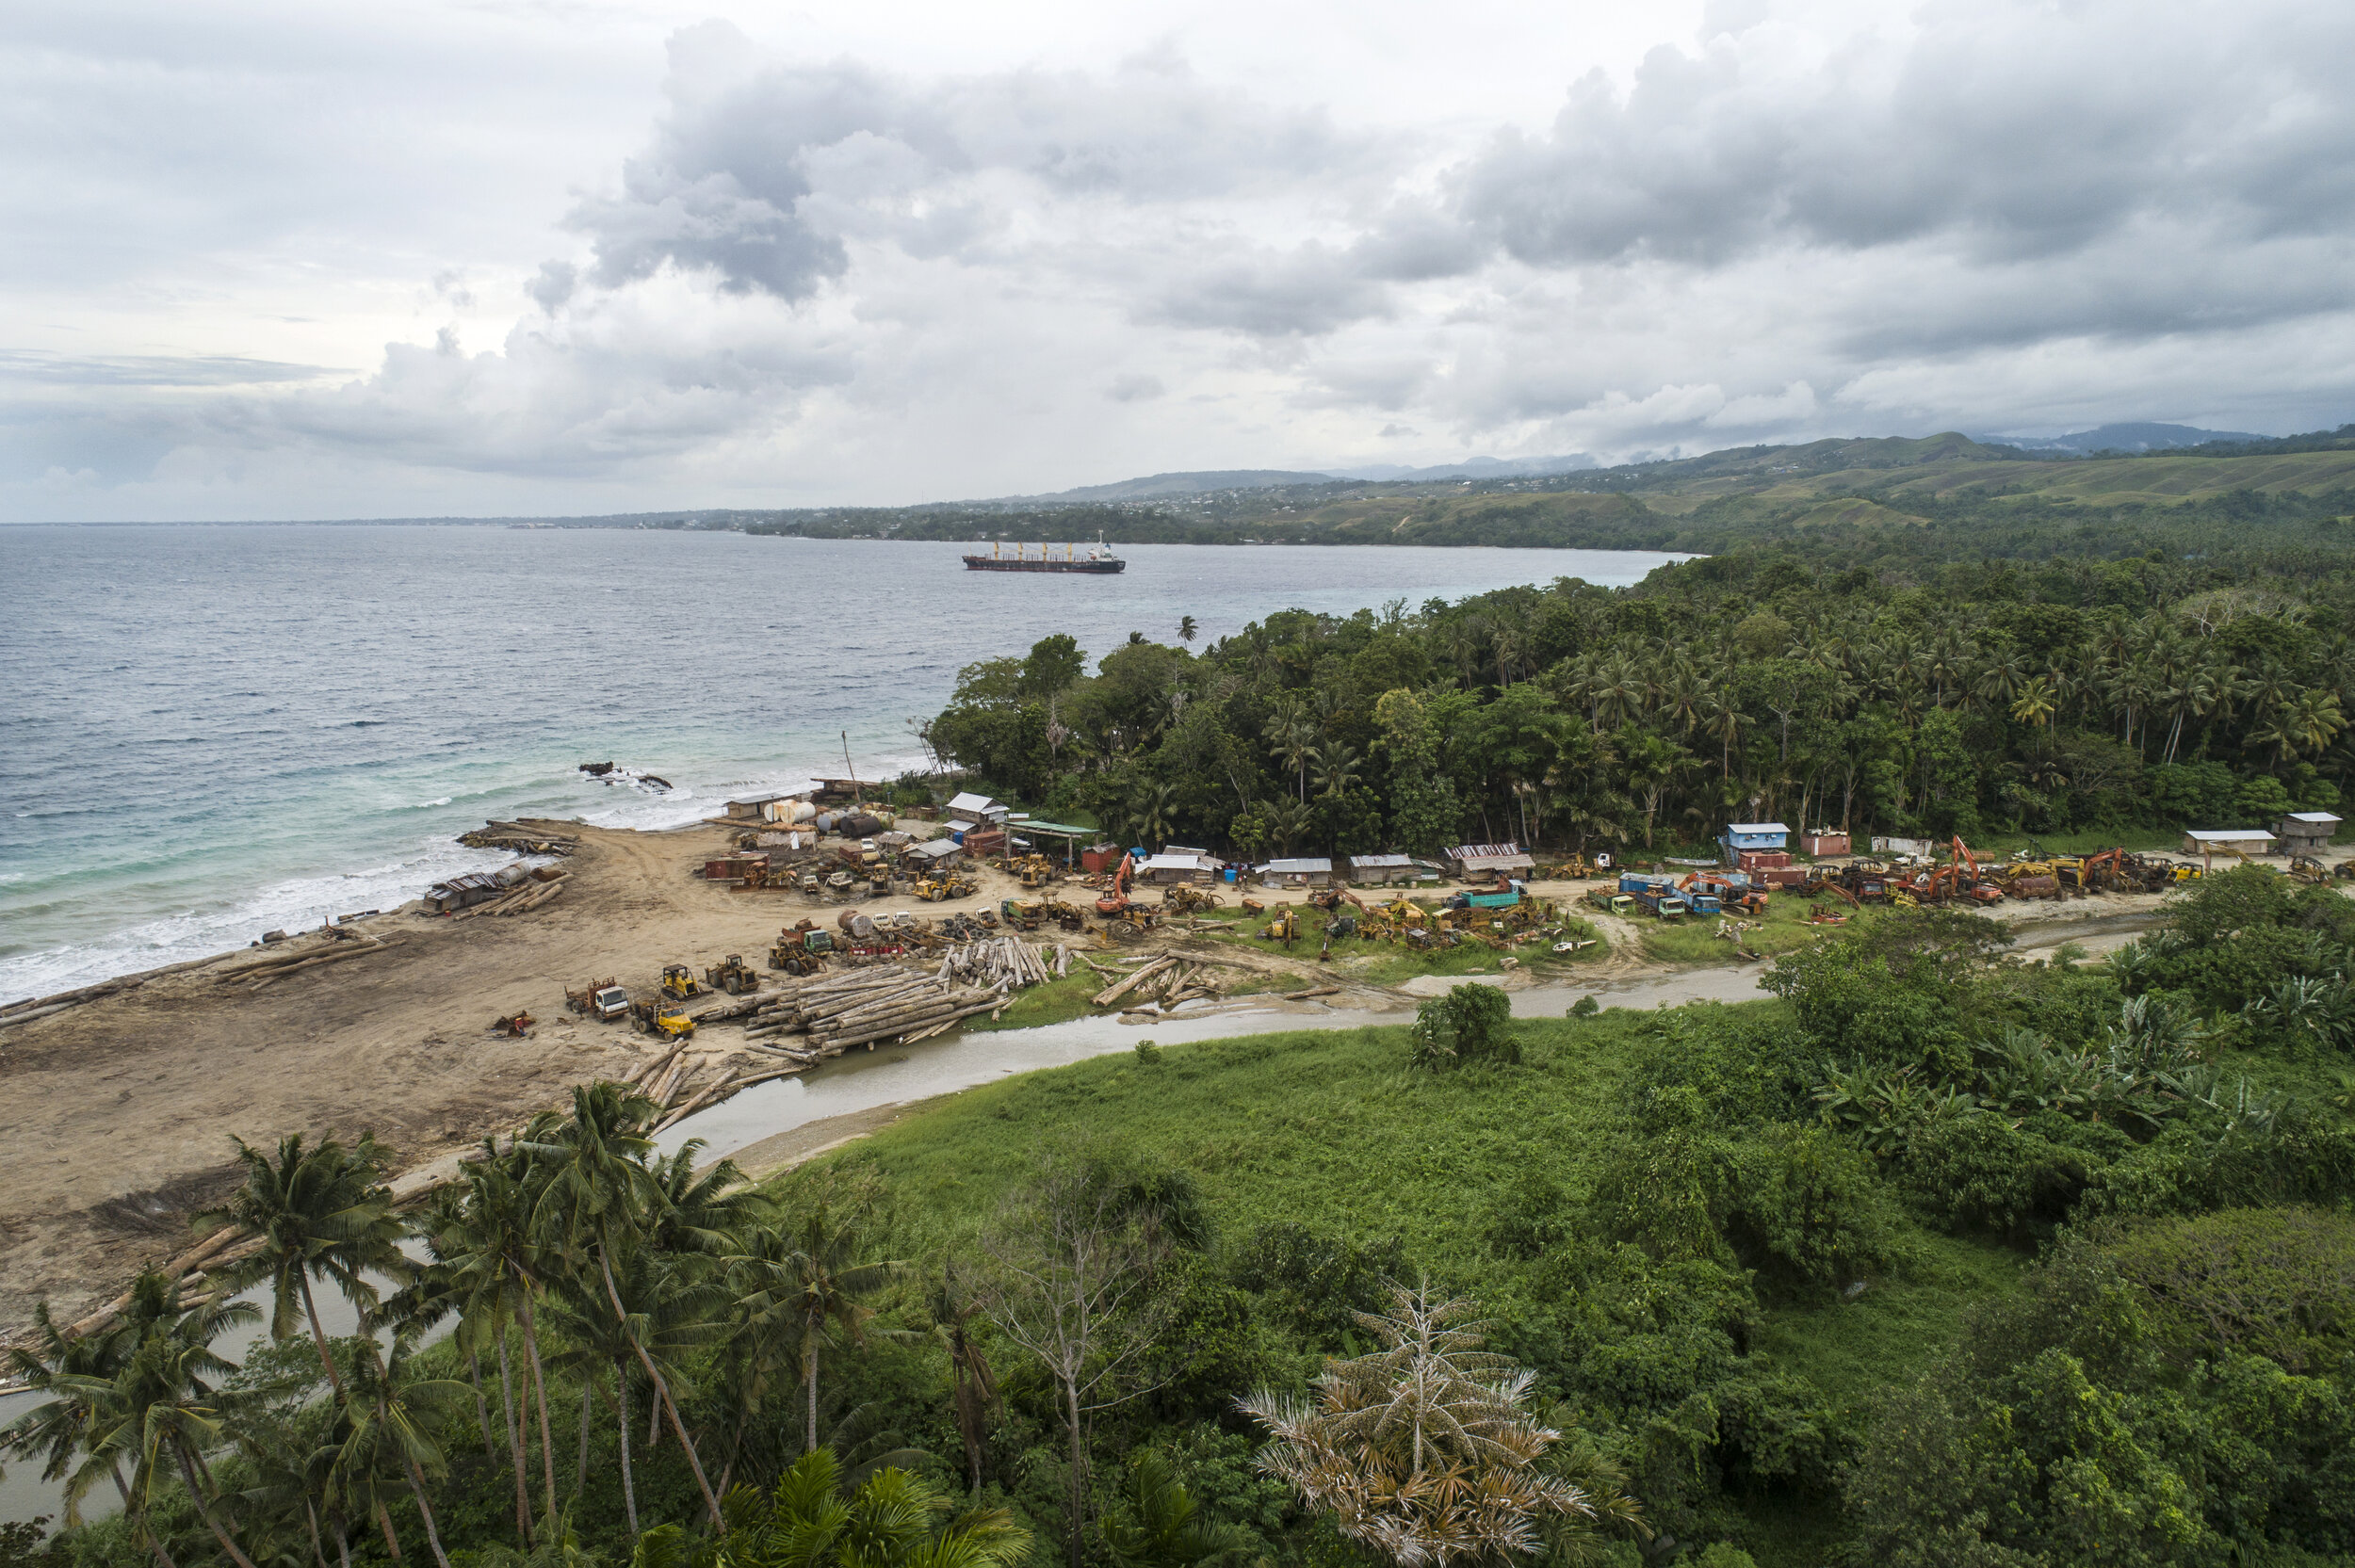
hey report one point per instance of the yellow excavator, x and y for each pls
(1284, 928)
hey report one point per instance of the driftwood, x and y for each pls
(1312, 992)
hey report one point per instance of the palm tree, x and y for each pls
(1187, 630)
(494, 1258)
(161, 1407)
(386, 1434)
(973, 1387)
(1162, 1526)
(2035, 703)
(1423, 1450)
(1653, 765)
(322, 1213)
(1151, 812)
(669, 1310)
(81, 1374)
(593, 1202)
(892, 1520)
(820, 1290)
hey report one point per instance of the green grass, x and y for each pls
(1855, 1350)
(1053, 1003)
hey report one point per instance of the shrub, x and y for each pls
(1468, 1024)
(1982, 1171)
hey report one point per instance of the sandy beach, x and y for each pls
(119, 1112)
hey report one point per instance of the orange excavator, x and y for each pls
(1978, 889)
(1114, 902)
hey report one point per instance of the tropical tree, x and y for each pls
(972, 1386)
(386, 1436)
(322, 1213)
(163, 1408)
(494, 1256)
(1423, 1452)
(1159, 1525)
(80, 1375)
(817, 1291)
(892, 1519)
(593, 1203)
(1187, 630)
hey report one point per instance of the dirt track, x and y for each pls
(118, 1113)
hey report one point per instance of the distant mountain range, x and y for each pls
(2121, 438)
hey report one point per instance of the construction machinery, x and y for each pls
(1612, 901)
(653, 1017)
(1186, 898)
(1284, 927)
(1022, 914)
(945, 885)
(1035, 870)
(603, 1000)
(679, 982)
(1115, 900)
(1071, 917)
(733, 976)
(513, 1024)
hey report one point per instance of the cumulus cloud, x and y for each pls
(824, 276)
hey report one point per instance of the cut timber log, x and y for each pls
(1312, 992)
(336, 957)
(1112, 994)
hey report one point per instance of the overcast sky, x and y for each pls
(423, 257)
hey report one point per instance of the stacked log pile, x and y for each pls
(520, 837)
(1173, 980)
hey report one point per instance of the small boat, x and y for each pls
(1099, 559)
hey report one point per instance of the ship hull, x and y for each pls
(1097, 568)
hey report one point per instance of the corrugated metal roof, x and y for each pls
(2222, 835)
(1301, 868)
(1483, 851)
(1756, 828)
(2315, 816)
(1174, 863)
(974, 803)
(1381, 859)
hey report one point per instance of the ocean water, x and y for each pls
(209, 732)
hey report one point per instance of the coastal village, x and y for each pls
(787, 929)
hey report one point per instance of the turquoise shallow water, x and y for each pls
(209, 732)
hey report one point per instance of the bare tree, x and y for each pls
(1072, 1259)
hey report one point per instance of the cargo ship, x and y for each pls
(1097, 559)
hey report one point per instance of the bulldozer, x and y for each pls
(1284, 928)
(733, 975)
(679, 982)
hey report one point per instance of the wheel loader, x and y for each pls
(735, 976)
